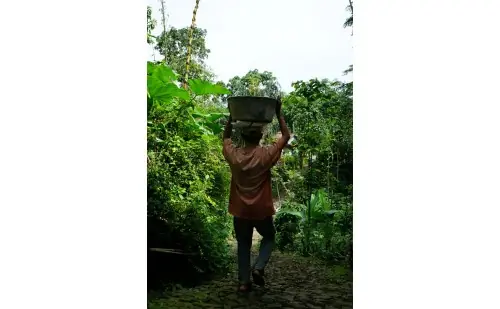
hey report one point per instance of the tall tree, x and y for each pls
(348, 23)
(255, 83)
(190, 42)
(163, 21)
(320, 113)
(151, 25)
(174, 45)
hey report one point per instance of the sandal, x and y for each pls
(245, 287)
(258, 277)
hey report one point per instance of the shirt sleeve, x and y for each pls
(273, 153)
(228, 149)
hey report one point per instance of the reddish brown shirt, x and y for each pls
(250, 195)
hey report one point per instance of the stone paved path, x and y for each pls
(291, 282)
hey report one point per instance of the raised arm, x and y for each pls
(228, 128)
(274, 152)
(227, 144)
(285, 132)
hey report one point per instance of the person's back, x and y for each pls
(250, 199)
(251, 194)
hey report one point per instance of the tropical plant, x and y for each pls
(175, 44)
(323, 228)
(317, 173)
(151, 25)
(255, 83)
(349, 20)
(187, 177)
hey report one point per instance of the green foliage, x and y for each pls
(161, 86)
(174, 43)
(165, 96)
(201, 87)
(288, 225)
(318, 172)
(151, 25)
(188, 179)
(324, 230)
(255, 83)
(320, 112)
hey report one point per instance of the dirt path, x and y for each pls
(291, 282)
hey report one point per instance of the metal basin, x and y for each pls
(252, 109)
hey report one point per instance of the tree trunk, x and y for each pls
(188, 59)
(338, 165)
(164, 22)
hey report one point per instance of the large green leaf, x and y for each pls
(164, 73)
(165, 92)
(199, 115)
(150, 103)
(161, 85)
(319, 201)
(214, 127)
(293, 213)
(214, 116)
(209, 121)
(201, 87)
(151, 68)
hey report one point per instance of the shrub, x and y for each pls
(325, 232)
(187, 183)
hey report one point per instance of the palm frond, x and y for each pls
(348, 22)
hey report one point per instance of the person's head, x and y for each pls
(252, 136)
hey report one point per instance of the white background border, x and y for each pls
(73, 166)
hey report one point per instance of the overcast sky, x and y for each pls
(294, 39)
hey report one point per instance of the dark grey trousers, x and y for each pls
(244, 230)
